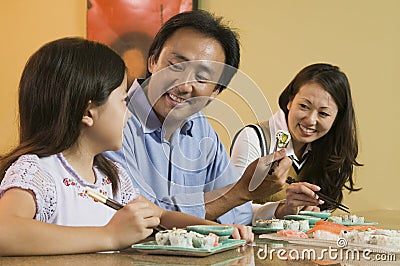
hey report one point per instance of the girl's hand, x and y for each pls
(132, 223)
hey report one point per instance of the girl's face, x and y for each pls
(112, 118)
(311, 114)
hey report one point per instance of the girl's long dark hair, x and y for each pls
(333, 156)
(56, 86)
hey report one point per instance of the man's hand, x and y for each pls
(256, 183)
(221, 200)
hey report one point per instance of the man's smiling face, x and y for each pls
(184, 76)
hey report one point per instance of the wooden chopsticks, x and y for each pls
(271, 169)
(324, 197)
(113, 203)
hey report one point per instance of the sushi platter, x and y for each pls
(305, 220)
(152, 247)
(196, 241)
(347, 231)
(331, 243)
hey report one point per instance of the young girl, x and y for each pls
(317, 110)
(72, 108)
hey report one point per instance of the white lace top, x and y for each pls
(60, 192)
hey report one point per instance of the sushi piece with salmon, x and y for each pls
(332, 231)
(292, 233)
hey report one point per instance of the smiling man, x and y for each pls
(170, 150)
(183, 76)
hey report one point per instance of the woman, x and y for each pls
(316, 109)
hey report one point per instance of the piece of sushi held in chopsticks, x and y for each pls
(282, 141)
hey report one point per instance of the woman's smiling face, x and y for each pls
(311, 114)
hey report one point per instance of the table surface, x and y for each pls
(246, 255)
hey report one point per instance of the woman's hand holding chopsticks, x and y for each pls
(299, 196)
(322, 196)
(304, 196)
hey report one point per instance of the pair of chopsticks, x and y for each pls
(271, 169)
(113, 203)
(324, 197)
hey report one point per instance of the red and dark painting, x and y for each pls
(128, 26)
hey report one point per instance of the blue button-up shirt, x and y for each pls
(175, 174)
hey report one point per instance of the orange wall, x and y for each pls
(25, 26)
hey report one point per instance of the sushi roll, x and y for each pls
(262, 223)
(392, 241)
(198, 240)
(304, 225)
(384, 241)
(379, 237)
(291, 225)
(282, 139)
(203, 241)
(353, 219)
(387, 232)
(272, 224)
(286, 224)
(181, 238)
(335, 219)
(276, 224)
(359, 220)
(162, 238)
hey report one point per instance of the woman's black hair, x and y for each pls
(333, 156)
